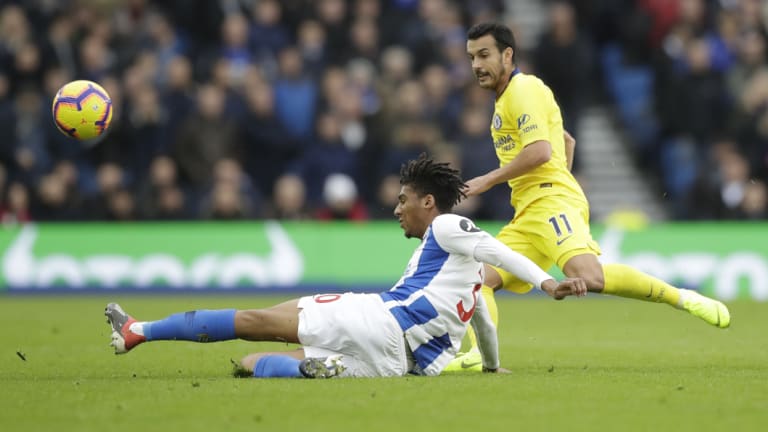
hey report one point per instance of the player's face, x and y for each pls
(411, 212)
(490, 66)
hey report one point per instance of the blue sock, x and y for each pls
(277, 366)
(197, 326)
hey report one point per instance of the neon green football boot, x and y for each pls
(710, 310)
(470, 361)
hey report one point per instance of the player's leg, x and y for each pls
(289, 364)
(278, 323)
(249, 362)
(565, 236)
(624, 281)
(283, 364)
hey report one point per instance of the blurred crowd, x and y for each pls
(690, 81)
(298, 109)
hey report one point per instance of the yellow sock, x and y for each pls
(624, 281)
(490, 301)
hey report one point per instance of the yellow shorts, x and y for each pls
(549, 231)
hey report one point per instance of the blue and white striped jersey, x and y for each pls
(437, 295)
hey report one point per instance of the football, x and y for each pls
(82, 109)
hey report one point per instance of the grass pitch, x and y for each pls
(581, 364)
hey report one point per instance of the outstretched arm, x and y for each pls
(493, 252)
(487, 339)
(457, 234)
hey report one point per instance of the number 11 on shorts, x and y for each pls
(556, 224)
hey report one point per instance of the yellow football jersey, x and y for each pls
(524, 113)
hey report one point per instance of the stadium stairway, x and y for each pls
(608, 174)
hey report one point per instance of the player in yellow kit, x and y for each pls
(551, 223)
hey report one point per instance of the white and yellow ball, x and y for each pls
(82, 109)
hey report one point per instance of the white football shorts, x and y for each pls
(359, 327)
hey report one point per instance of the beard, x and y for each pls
(485, 80)
(488, 80)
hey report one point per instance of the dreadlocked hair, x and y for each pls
(426, 176)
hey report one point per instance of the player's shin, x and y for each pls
(196, 326)
(624, 281)
(277, 366)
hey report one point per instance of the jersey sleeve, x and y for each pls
(457, 234)
(487, 338)
(529, 113)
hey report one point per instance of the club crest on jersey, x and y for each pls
(468, 226)
(496, 121)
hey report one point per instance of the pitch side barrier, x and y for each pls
(726, 260)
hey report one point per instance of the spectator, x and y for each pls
(752, 59)
(235, 50)
(15, 209)
(206, 136)
(325, 156)
(269, 149)
(754, 206)
(340, 200)
(295, 95)
(225, 203)
(268, 35)
(232, 195)
(289, 199)
(387, 192)
(166, 42)
(30, 152)
(563, 60)
(313, 47)
(147, 124)
(160, 196)
(443, 101)
(332, 14)
(177, 94)
(364, 41)
(57, 197)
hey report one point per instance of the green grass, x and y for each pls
(581, 364)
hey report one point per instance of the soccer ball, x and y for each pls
(82, 109)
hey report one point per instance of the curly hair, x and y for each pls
(426, 176)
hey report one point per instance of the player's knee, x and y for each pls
(249, 362)
(587, 267)
(246, 321)
(592, 275)
(594, 278)
(492, 279)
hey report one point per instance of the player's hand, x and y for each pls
(577, 286)
(476, 186)
(564, 288)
